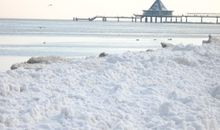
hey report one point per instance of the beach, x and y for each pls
(172, 88)
(135, 85)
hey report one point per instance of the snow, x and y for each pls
(175, 88)
(38, 62)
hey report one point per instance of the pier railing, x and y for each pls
(104, 18)
(204, 14)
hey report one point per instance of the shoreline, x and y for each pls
(77, 47)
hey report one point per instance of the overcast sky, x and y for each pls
(66, 9)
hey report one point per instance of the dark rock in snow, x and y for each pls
(103, 54)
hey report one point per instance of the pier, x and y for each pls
(108, 18)
(158, 13)
(197, 19)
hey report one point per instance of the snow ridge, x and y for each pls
(174, 89)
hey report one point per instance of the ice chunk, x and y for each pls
(45, 60)
(212, 40)
(38, 62)
(166, 45)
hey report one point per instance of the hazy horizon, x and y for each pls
(66, 9)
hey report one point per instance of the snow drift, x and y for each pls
(176, 88)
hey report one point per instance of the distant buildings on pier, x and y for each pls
(158, 13)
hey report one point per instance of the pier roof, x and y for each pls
(158, 6)
(157, 9)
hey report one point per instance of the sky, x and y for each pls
(66, 9)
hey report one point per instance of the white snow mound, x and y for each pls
(169, 89)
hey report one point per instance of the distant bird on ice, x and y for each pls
(50, 5)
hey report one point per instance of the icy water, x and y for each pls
(21, 39)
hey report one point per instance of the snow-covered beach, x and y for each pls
(176, 88)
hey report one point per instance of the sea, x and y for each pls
(21, 39)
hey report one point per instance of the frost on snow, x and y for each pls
(169, 89)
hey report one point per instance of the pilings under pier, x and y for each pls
(156, 19)
(181, 19)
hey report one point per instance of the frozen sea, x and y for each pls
(21, 39)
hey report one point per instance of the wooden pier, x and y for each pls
(189, 18)
(158, 13)
(106, 18)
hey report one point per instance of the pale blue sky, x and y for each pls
(66, 9)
